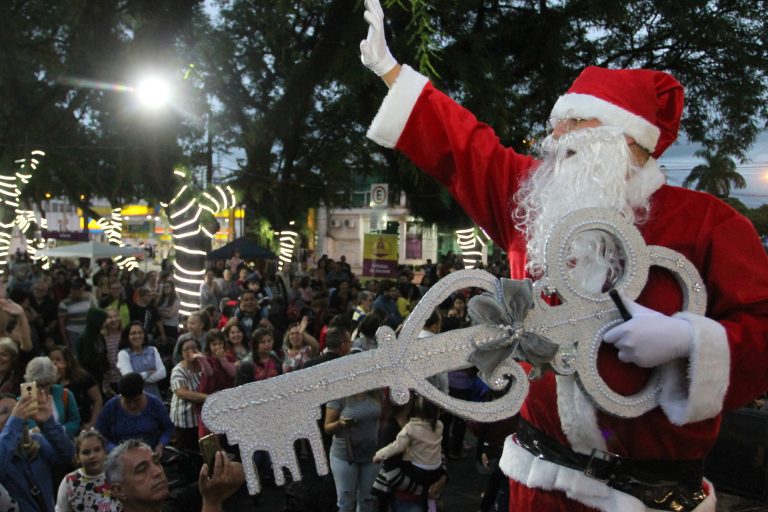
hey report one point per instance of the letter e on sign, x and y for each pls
(379, 194)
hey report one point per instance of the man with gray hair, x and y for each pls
(138, 480)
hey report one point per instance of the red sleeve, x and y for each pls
(447, 142)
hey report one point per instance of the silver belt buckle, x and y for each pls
(600, 455)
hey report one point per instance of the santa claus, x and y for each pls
(606, 133)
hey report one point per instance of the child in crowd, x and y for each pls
(86, 488)
(420, 443)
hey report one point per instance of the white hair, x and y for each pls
(584, 168)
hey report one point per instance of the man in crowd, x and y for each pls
(72, 311)
(607, 132)
(387, 302)
(337, 343)
(138, 479)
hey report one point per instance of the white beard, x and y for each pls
(584, 168)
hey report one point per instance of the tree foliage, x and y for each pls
(298, 101)
(62, 67)
(280, 85)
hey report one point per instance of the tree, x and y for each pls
(297, 102)
(717, 175)
(62, 66)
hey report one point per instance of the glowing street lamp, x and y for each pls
(153, 92)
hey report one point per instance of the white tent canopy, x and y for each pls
(92, 250)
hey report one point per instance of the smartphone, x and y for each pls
(30, 389)
(209, 445)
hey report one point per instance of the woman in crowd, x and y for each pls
(263, 363)
(186, 401)
(86, 488)
(364, 306)
(136, 356)
(27, 461)
(16, 347)
(340, 299)
(198, 324)
(112, 332)
(407, 299)
(219, 368)
(93, 349)
(42, 371)
(298, 346)
(82, 385)
(237, 341)
(366, 333)
(168, 307)
(354, 423)
(135, 413)
(12, 366)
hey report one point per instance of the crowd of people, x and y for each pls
(116, 365)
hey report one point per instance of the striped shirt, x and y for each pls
(75, 311)
(183, 411)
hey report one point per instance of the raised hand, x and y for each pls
(11, 307)
(373, 49)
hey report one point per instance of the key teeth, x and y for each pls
(249, 467)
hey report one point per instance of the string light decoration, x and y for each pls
(287, 246)
(113, 230)
(13, 215)
(471, 246)
(192, 238)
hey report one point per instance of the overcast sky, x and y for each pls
(679, 161)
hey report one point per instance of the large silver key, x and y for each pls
(272, 414)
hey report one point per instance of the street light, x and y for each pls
(153, 92)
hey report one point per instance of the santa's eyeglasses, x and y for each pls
(568, 123)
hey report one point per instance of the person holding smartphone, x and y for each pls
(354, 423)
(27, 461)
(139, 482)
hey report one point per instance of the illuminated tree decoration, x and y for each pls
(287, 246)
(471, 246)
(113, 230)
(13, 215)
(193, 225)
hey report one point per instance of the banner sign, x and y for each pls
(380, 256)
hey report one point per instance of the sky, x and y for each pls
(679, 161)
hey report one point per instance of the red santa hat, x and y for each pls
(646, 104)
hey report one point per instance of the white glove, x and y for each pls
(373, 49)
(650, 338)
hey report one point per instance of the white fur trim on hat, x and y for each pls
(586, 106)
(522, 466)
(396, 108)
(697, 392)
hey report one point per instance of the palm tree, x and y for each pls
(717, 175)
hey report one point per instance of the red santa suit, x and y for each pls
(726, 366)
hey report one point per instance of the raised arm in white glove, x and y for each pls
(373, 49)
(650, 338)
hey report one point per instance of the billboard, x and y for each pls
(380, 255)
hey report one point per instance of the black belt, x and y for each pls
(661, 484)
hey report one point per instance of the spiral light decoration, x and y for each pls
(287, 246)
(471, 247)
(190, 237)
(113, 230)
(12, 214)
